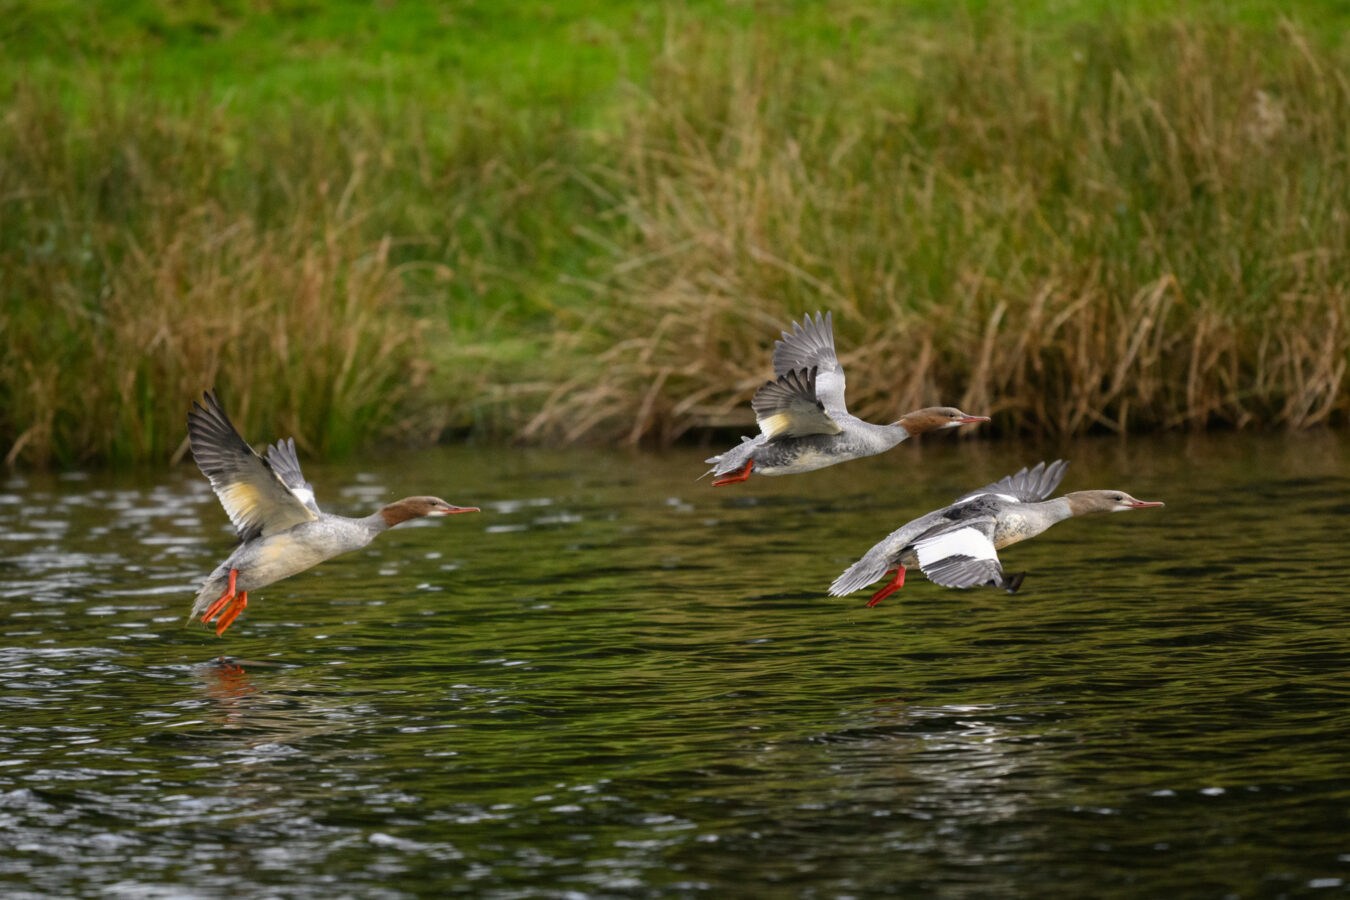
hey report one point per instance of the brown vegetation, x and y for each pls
(1150, 232)
(131, 287)
(1133, 241)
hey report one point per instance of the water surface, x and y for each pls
(618, 681)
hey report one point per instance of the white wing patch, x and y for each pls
(1006, 498)
(969, 542)
(305, 495)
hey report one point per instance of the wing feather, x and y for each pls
(960, 555)
(965, 572)
(255, 497)
(789, 407)
(811, 346)
(281, 457)
(1027, 486)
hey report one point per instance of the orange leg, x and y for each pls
(225, 597)
(232, 613)
(742, 475)
(894, 585)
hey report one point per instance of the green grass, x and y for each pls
(585, 220)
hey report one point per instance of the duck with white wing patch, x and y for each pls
(957, 546)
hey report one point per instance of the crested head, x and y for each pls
(417, 507)
(934, 418)
(1083, 503)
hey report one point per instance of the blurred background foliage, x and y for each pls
(586, 221)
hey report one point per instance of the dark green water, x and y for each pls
(619, 682)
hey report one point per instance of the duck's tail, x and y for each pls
(871, 567)
(734, 459)
(210, 592)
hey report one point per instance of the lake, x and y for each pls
(618, 681)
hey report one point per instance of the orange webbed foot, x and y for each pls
(240, 602)
(225, 597)
(894, 585)
(737, 477)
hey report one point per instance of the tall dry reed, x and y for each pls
(1123, 229)
(148, 256)
(347, 273)
(1151, 233)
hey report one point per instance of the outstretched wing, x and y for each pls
(811, 346)
(256, 498)
(281, 457)
(1027, 486)
(960, 554)
(790, 407)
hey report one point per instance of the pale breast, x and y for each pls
(270, 559)
(273, 558)
(1012, 527)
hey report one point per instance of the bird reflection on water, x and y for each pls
(228, 686)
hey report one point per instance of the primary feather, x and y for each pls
(256, 498)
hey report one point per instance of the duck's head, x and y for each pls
(1085, 502)
(417, 507)
(936, 418)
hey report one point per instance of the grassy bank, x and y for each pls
(589, 224)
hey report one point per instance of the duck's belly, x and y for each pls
(274, 558)
(790, 457)
(806, 461)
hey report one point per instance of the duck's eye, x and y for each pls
(1119, 498)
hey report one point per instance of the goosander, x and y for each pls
(281, 530)
(804, 424)
(956, 546)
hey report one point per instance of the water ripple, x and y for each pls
(636, 687)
